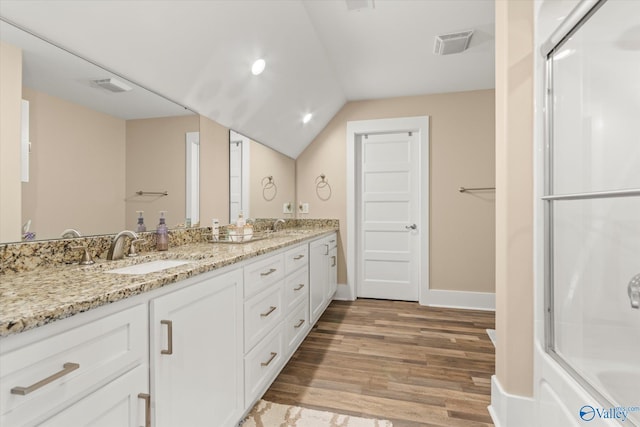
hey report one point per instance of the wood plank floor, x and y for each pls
(413, 365)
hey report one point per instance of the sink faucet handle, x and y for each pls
(132, 248)
(86, 256)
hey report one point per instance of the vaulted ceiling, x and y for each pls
(319, 54)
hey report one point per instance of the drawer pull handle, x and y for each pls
(147, 408)
(268, 362)
(169, 349)
(266, 273)
(333, 264)
(271, 310)
(300, 323)
(332, 241)
(300, 286)
(298, 257)
(67, 368)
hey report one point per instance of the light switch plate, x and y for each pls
(287, 208)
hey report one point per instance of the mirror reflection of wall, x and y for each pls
(261, 180)
(91, 148)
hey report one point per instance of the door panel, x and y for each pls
(235, 179)
(197, 362)
(389, 202)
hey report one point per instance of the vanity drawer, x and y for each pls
(261, 313)
(296, 288)
(82, 358)
(260, 274)
(262, 364)
(296, 326)
(296, 258)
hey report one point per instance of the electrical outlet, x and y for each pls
(304, 208)
(287, 208)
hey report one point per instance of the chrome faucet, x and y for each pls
(276, 222)
(70, 233)
(116, 251)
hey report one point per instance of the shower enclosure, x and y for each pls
(592, 206)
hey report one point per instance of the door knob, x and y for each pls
(634, 291)
(411, 227)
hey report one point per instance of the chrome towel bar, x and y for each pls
(465, 189)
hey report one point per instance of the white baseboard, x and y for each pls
(510, 410)
(343, 293)
(460, 299)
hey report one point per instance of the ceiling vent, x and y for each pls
(112, 85)
(452, 43)
(359, 4)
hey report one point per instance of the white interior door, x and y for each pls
(388, 216)
(235, 179)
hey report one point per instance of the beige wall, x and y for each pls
(10, 119)
(214, 172)
(264, 162)
(76, 168)
(462, 226)
(514, 197)
(156, 161)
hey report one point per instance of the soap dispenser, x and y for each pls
(162, 234)
(141, 226)
(240, 222)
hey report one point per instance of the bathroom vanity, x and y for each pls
(152, 341)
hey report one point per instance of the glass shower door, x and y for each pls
(593, 207)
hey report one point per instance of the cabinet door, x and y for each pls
(196, 354)
(318, 277)
(115, 404)
(333, 272)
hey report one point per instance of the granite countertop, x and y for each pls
(35, 298)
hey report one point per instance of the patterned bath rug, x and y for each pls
(269, 414)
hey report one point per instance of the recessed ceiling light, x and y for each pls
(258, 66)
(307, 118)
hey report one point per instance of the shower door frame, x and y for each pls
(572, 23)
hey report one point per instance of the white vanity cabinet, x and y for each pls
(276, 317)
(322, 274)
(87, 371)
(197, 353)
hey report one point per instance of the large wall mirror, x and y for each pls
(101, 147)
(261, 180)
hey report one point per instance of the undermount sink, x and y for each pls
(149, 267)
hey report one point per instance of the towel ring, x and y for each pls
(321, 183)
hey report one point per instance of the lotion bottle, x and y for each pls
(141, 226)
(162, 234)
(240, 223)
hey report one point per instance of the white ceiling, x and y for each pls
(319, 55)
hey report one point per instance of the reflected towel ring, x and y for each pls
(322, 183)
(269, 188)
(269, 182)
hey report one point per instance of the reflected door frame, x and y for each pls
(355, 129)
(244, 173)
